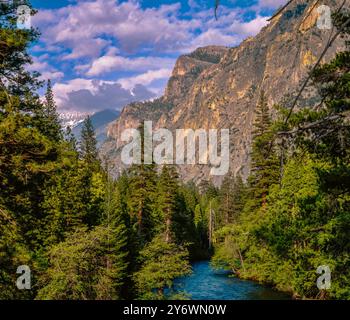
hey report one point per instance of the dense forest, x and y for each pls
(88, 236)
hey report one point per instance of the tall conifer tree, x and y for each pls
(168, 189)
(264, 161)
(52, 123)
(88, 143)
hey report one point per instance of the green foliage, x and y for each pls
(16, 81)
(28, 156)
(264, 163)
(52, 124)
(88, 144)
(287, 230)
(167, 201)
(162, 262)
(231, 200)
(87, 265)
(12, 254)
(141, 201)
(76, 198)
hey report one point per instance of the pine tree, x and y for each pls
(91, 175)
(28, 157)
(168, 193)
(15, 79)
(239, 197)
(231, 199)
(207, 188)
(226, 195)
(141, 200)
(117, 221)
(264, 161)
(88, 143)
(13, 253)
(88, 265)
(142, 197)
(162, 262)
(72, 141)
(66, 203)
(52, 123)
(262, 121)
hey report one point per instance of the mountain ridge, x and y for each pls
(100, 121)
(223, 92)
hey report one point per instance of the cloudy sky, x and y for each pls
(105, 53)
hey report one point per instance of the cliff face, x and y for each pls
(217, 87)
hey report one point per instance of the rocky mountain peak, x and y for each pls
(218, 87)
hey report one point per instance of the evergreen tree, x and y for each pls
(91, 174)
(88, 265)
(15, 79)
(264, 161)
(239, 198)
(88, 143)
(28, 157)
(76, 198)
(53, 126)
(207, 188)
(262, 123)
(142, 197)
(226, 195)
(231, 199)
(141, 201)
(12, 254)
(162, 262)
(72, 141)
(168, 194)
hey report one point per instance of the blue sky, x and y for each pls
(106, 53)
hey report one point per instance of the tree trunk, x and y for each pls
(241, 258)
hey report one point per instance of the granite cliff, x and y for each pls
(218, 87)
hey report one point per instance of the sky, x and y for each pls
(104, 54)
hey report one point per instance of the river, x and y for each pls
(208, 284)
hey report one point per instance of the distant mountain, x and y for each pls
(100, 121)
(72, 119)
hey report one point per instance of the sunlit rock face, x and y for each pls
(218, 87)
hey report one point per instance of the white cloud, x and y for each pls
(250, 28)
(146, 78)
(107, 64)
(212, 36)
(82, 27)
(95, 95)
(52, 75)
(46, 71)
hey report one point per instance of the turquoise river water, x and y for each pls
(208, 284)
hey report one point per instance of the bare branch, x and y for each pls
(280, 10)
